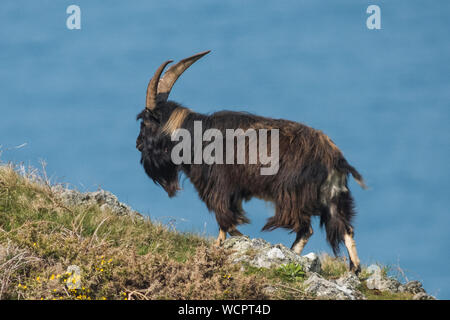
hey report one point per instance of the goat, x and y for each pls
(311, 178)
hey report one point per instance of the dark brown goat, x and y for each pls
(311, 179)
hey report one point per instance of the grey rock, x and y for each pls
(349, 280)
(423, 296)
(378, 282)
(413, 287)
(336, 290)
(261, 254)
(275, 253)
(313, 262)
(381, 282)
(374, 269)
(105, 199)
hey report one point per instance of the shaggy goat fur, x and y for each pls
(299, 190)
(311, 179)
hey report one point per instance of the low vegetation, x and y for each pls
(52, 251)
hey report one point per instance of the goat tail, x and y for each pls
(343, 164)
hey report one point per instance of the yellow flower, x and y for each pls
(34, 244)
(52, 277)
(103, 298)
(38, 279)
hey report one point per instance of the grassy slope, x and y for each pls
(120, 257)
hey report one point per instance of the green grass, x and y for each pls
(119, 256)
(383, 295)
(291, 272)
(122, 257)
(333, 268)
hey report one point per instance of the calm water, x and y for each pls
(383, 96)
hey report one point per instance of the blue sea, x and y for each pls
(70, 98)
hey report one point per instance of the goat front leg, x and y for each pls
(221, 238)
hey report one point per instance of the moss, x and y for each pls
(383, 295)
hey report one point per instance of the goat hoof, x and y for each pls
(355, 269)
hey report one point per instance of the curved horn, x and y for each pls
(174, 72)
(152, 88)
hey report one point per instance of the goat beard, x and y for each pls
(171, 187)
(163, 172)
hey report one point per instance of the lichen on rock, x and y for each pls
(105, 199)
(344, 288)
(261, 254)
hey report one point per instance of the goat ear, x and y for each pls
(154, 115)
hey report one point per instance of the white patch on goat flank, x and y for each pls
(333, 186)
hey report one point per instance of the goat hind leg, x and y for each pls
(239, 216)
(301, 240)
(352, 253)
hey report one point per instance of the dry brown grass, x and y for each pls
(120, 257)
(333, 268)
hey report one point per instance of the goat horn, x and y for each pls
(174, 72)
(152, 88)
